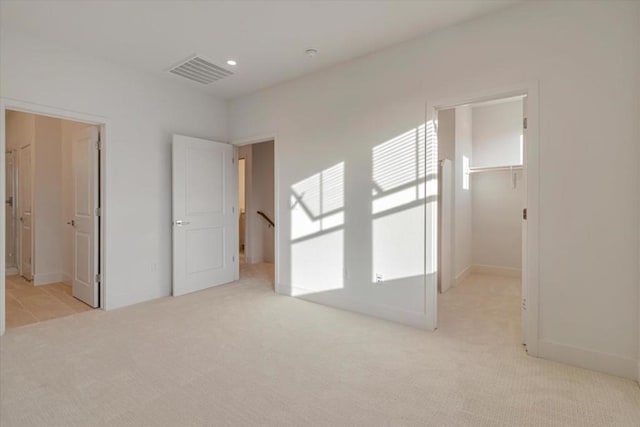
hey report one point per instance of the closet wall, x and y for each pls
(497, 197)
(463, 203)
(485, 227)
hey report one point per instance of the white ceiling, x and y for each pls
(267, 38)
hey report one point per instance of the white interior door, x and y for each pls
(205, 233)
(84, 224)
(25, 207)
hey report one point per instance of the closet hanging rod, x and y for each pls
(496, 169)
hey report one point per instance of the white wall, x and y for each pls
(463, 213)
(142, 114)
(446, 150)
(497, 132)
(586, 59)
(447, 134)
(47, 189)
(20, 130)
(497, 224)
(496, 204)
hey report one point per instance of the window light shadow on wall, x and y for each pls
(317, 232)
(404, 184)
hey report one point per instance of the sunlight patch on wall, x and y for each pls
(317, 264)
(317, 202)
(404, 188)
(317, 235)
(398, 168)
(398, 244)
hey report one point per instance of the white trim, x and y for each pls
(460, 277)
(255, 139)
(60, 113)
(531, 268)
(411, 318)
(588, 359)
(48, 278)
(11, 271)
(496, 270)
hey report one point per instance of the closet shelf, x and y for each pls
(496, 169)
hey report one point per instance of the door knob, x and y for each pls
(180, 222)
(72, 223)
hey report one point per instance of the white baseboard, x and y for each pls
(48, 278)
(66, 278)
(11, 271)
(460, 277)
(602, 362)
(409, 318)
(495, 270)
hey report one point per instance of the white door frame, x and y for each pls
(530, 267)
(276, 193)
(59, 113)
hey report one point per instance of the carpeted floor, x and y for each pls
(239, 355)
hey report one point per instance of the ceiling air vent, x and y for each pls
(199, 70)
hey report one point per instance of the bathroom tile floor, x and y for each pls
(27, 304)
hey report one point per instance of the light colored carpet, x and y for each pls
(239, 355)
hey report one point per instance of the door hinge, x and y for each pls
(524, 304)
(98, 278)
(98, 211)
(233, 258)
(524, 123)
(524, 213)
(98, 142)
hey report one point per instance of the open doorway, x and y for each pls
(256, 196)
(482, 218)
(52, 211)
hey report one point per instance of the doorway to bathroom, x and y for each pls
(52, 211)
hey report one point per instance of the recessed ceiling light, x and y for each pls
(231, 62)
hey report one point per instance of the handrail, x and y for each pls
(271, 223)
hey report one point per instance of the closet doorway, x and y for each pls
(482, 226)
